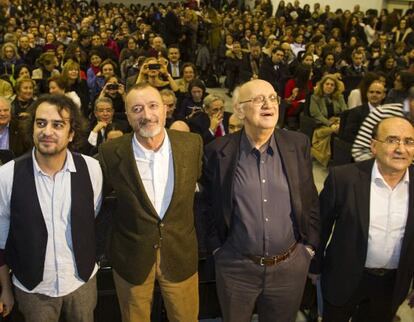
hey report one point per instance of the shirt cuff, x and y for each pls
(93, 138)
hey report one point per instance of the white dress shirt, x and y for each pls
(388, 217)
(156, 170)
(60, 275)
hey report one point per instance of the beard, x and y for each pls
(149, 128)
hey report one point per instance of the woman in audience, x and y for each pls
(402, 84)
(9, 60)
(106, 70)
(46, 68)
(24, 89)
(22, 70)
(152, 72)
(189, 74)
(73, 83)
(193, 103)
(95, 60)
(327, 103)
(296, 91)
(115, 90)
(57, 85)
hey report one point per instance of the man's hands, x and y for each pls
(99, 126)
(6, 295)
(215, 120)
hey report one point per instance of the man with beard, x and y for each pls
(153, 172)
(49, 198)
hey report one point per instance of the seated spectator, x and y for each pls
(175, 66)
(375, 94)
(22, 70)
(56, 85)
(180, 126)
(50, 44)
(157, 48)
(297, 45)
(271, 43)
(27, 53)
(193, 103)
(212, 121)
(152, 71)
(74, 84)
(402, 83)
(46, 68)
(274, 70)
(250, 66)
(95, 60)
(189, 74)
(9, 60)
(24, 89)
(104, 123)
(357, 67)
(235, 123)
(109, 43)
(326, 105)
(402, 32)
(170, 100)
(296, 91)
(326, 65)
(388, 66)
(115, 90)
(6, 89)
(11, 137)
(232, 67)
(358, 96)
(361, 148)
(107, 70)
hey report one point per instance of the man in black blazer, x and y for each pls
(368, 265)
(213, 121)
(274, 70)
(174, 63)
(262, 210)
(375, 95)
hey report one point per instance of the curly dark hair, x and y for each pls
(78, 123)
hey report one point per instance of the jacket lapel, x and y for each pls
(129, 171)
(362, 190)
(227, 159)
(290, 165)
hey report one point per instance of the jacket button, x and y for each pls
(155, 246)
(161, 224)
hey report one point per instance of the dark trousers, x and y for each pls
(275, 290)
(371, 301)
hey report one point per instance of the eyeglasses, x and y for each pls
(395, 141)
(259, 100)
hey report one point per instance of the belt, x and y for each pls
(379, 271)
(272, 260)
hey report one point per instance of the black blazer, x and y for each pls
(220, 161)
(355, 117)
(200, 124)
(180, 70)
(344, 202)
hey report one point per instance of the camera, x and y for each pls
(154, 66)
(113, 87)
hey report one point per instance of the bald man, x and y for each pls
(263, 211)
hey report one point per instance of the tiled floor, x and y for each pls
(405, 313)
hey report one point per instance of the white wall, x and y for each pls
(348, 4)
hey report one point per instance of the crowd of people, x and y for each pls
(103, 80)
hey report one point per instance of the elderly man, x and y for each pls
(49, 199)
(213, 121)
(367, 211)
(10, 131)
(104, 113)
(263, 211)
(153, 172)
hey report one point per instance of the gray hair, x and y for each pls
(209, 99)
(168, 92)
(103, 100)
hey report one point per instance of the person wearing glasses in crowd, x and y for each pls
(366, 210)
(153, 172)
(262, 209)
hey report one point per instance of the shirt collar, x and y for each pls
(246, 146)
(376, 175)
(141, 151)
(68, 166)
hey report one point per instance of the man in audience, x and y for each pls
(274, 70)
(235, 123)
(357, 67)
(27, 53)
(104, 113)
(170, 101)
(252, 61)
(366, 209)
(10, 131)
(174, 65)
(262, 208)
(153, 172)
(49, 199)
(213, 121)
(375, 95)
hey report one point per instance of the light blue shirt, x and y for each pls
(60, 275)
(4, 138)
